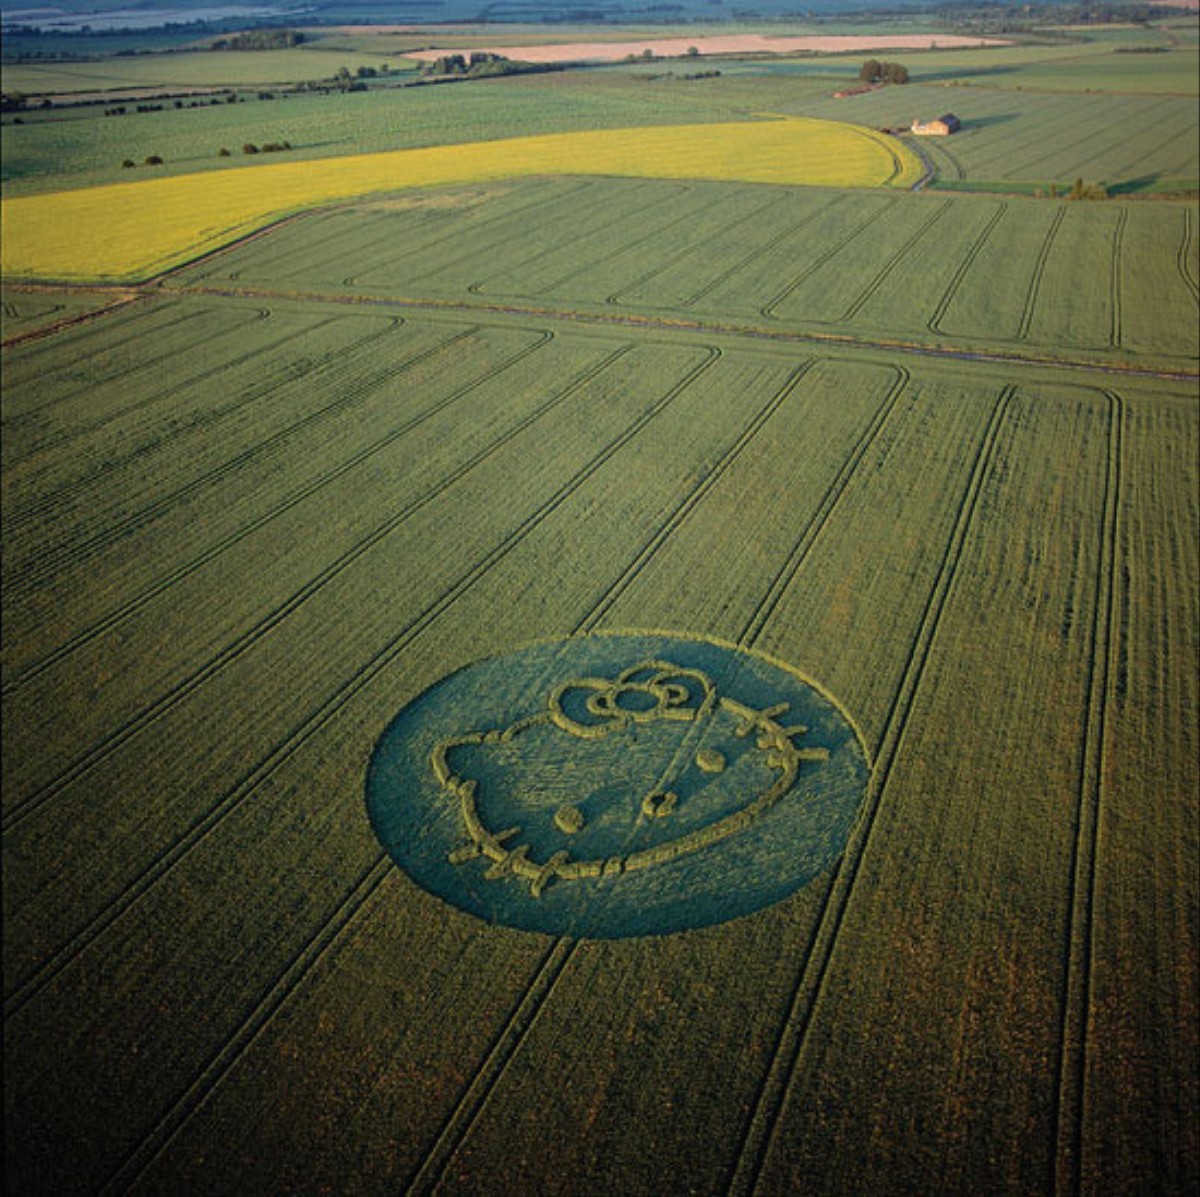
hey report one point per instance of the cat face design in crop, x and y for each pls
(615, 775)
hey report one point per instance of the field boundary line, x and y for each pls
(1079, 933)
(238, 242)
(123, 612)
(51, 499)
(67, 554)
(1035, 281)
(929, 170)
(881, 277)
(129, 293)
(170, 273)
(57, 326)
(312, 220)
(219, 1063)
(153, 1142)
(762, 1129)
(711, 328)
(768, 308)
(964, 268)
(326, 710)
(939, 150)
(275, 252)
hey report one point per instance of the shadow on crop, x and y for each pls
(1133, 186)
(986, 122)
(964, 74)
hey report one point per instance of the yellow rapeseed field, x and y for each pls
(129, 230)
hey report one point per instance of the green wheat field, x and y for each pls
(934, 449)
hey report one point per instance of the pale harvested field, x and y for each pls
(731, 43)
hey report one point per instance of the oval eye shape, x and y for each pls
(710, 760)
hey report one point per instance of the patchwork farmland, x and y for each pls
(934, 452)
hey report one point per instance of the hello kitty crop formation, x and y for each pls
(594, 709)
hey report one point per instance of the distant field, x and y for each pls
(189, 69)
(1140, 141)
(1014, 133)
(81, 147)
(131, 229)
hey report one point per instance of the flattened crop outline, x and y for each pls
(649, 691)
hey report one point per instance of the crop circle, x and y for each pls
(617, 785)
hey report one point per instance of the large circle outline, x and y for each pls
(381, 747)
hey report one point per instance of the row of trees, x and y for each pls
(269, 147)
(261, 39)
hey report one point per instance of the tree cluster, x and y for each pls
(1079, 191)
(481, 65)
(874, 71)
(458, 64)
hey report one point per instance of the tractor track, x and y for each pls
(709, 328)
